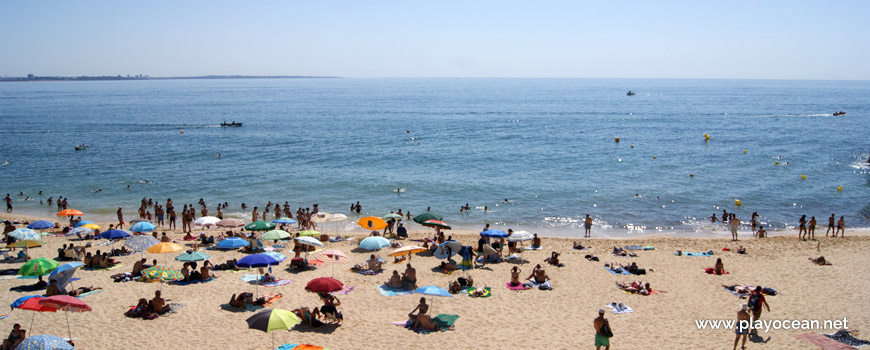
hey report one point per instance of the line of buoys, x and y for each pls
(803, 177)
(737, 202)
(840, 189)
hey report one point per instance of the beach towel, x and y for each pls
(519, 287)
(639, 247)
(443, 322)
(250, 278)
(279, 282)
(369, 272)
(535, 248)
(184, 283)
(619, 308)
(8, 277)
(247, 308)
(624, 271)
(823, 342)
(299, 347)
(695, 254)
(389, 291)
(486, 294)
(115, 266)
(546, 285)
(4, 316)
(846, 337)
(315, 262)
(741, 296)
(709, 271)
(173, 309)
(95, 291)
(344, 290)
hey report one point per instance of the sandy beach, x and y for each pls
(557, 319)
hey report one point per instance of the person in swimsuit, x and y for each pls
(742, 326)
(811, 228)
(15, 338)
(421, 309)
(600, 339)
(515, 276)
(831, 226)
(841, 227)
(802, 230)
(395, 280)
(587, 225)
(409, 278)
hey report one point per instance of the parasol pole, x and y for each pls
(31, 322)
(68, 329)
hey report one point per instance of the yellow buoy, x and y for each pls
(744, 151)
(654, 157)
(776, 163)
(182, 131)
(737, 202)
(706, 137)
(840, 189)
(617, 140)
(803, 177)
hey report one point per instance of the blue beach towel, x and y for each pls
(624, 272)
(387, 291)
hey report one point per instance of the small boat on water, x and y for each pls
(233, 124)
(81, 147)
(630, 93)
(837, 114)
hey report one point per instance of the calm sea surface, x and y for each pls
(545, 145)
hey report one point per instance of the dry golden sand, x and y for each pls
(557, 319)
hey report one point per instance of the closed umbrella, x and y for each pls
(40, 225)
(372, 223)
(268, 320)
(38, 267)
(66, 303)
(421, 218)
(206, 221)
(275, 235)
(142, 226)
(230, 223)
(141, 243)
(25, 234)
(467, 255)
(257, 261)
(374, 243)
(193, 256)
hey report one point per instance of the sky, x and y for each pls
(559, 39)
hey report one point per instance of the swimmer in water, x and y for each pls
(219, 155)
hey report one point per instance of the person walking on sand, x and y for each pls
(802, 229)
(831, 227)
(841, 227)
(735, 223)
(742, 326)
(756, 301)
(602, 331)
(587, 225)
(120, 218)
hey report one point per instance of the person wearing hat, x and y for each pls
(602, 331)
(742, 326)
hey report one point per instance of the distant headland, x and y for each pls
(31, 77)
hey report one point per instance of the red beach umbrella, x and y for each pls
(324, 285)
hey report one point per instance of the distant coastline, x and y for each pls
(31, 77)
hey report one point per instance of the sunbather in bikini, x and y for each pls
(449, 266)
(421, 316)
(515, 276)
(82, 290)
(479, 291)
(635, 287)
(395, 280)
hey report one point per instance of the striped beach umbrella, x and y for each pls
(79, 231)
(230, 223)
(141, 243)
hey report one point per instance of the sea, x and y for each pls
(526, 154)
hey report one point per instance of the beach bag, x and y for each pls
(605, 330)
(754, 302)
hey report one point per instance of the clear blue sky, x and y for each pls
(606, 39)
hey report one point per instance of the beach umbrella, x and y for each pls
(25, 234)
(337, 217)
(321, 217)
(257, 261)
(206, 221)
(79, 231)
(309, 233)
(372, 223)
(433, 291)
(63, 274)
(70, 212)
(520, 236)
(447, 249)
(436, 223)
(275, 235)
(421, 218)
(284, 221)
(38, 267)
(324, 285)
(268, 320)
(92, 226)
(18, 302)
(44, 342)
(193, 256)
(492, 233)
(392, 216)
(309, 241)
(40, 225)
(260, 226)
(141, 243)
(82, 223)
(332, 256)
(277, 256)
(407, 250)
(31, 303)
(164, 247)
(374, 243)
(136, 221)
(142, 226)
(27, 243)
(162, 273)
(114, 234)
(232, 243)
(230, 223)
(65, 303)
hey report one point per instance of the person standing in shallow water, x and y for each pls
(255, 215)
(587, 226)
(802, 229)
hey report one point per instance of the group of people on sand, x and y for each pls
(407, 280)
(149, 309)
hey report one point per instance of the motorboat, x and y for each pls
(81, 147)
(837, 114)
(233, 124)
(630, 93)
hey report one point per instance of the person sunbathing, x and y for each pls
(141, 310)
(616, 267)
(820, 261)
(741, 250)
(158, 304)
(479, 291)
(82, 290)
(740, 290)
(247, 298)
(399, 259)
(448, 266)
(409, 277)
(454, 287)
(421, 309)
(52, 288)
(268, 278)
(395, 280)
(636, 287)
(515, 276)
(591, 257)
(374, 264)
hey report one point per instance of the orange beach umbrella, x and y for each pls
(70, 212)
(372, 223)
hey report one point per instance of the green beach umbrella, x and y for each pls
(269, 320)
(260, 226)
(421, 218)
(275, 235)
(193, 256)
(393, 216)
(38, 267)
(309, 233)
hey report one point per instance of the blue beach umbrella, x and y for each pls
(142, 226)
(374, 243)
(232, 243)
(24, 234)
(494, 233)
(83, 222)
(114, 234)
(433, 291)
(63, 274)
(44, 342)
(141, 243)
(254, 261)
(284, 221)
(40, 225)
(277, 256)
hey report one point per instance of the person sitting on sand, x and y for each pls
(158, 304)
(422, 309)
(268, 278)
(52, 288)
(536, 242)
(719, 268)
(82, 290)
(409, 278)
(40, 283)
(741, 250)
(374, 264)
(761, 233)
(141, 310)
(578, 245)
(329, 308)
(15, 338)
(820, 261)
(554, 259)
(448, 266)
(515, 276)
(617, 251)
(205, 271)
(185, 271)
(633, 269)
(395, 280)
(539, 275)
(246, 298)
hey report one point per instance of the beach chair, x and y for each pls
(333, 317)
(8, 258)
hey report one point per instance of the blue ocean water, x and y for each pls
(545, 145)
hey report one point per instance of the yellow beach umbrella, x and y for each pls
(165, 247)
(372, 223)
(92, 226)
(27, 243)
(407, 250)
